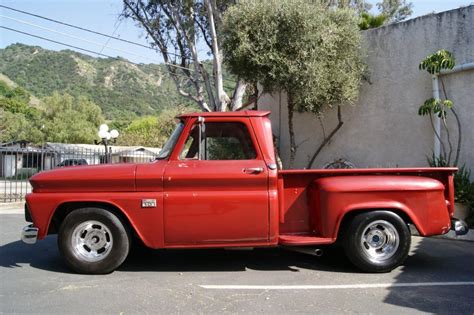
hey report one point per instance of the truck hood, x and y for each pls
(91, 178)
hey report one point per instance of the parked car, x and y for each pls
(72, 162)
(216, 184)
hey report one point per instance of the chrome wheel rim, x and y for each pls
(380, 241)
(92, 241)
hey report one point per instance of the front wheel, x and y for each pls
(377, 241)
(93, 241)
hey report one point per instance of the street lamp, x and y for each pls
(106, 136)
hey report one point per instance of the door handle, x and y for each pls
(253, 170)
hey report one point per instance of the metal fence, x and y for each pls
(19, 163)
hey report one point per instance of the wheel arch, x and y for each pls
(349, 215)
(65, 208)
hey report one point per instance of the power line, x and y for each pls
(117, 22)
(60, 43)
(76, 37)
(79, 48)
(101, 34)
(84, 29)
(94, 52)
(77, 27)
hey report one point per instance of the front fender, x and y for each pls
(146, 222)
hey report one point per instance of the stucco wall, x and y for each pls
(383, 128)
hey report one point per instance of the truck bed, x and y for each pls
(307, 202)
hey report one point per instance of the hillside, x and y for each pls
(121, 89)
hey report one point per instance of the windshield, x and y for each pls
(169, 145)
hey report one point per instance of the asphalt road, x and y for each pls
(437, 277)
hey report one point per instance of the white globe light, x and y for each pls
(108, 136)
(104, 127)
(114, 133)
(103, 134)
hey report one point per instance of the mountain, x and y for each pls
(121, 89)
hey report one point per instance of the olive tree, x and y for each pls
(300, 46)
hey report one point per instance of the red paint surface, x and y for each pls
(217, 204)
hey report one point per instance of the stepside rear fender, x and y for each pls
(420, 199)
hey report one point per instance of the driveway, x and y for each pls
(437, 277)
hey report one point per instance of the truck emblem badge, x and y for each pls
(148, 203)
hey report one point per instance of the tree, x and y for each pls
(434, 64)
(18, 120)
(70, 119)
(175, 28)
(311, 52)
(16, 126)
(151, 131)
(392, 10)
(395, 10)
(368, 21)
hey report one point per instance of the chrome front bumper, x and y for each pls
(459, 226)
(29, 234)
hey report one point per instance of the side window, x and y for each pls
(219, 141)
(191, 146)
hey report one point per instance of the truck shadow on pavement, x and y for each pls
(44, 255)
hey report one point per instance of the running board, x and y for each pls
(301, 240)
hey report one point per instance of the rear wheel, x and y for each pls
(377, 241)
(93, 240)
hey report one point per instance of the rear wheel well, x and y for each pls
(66, 208)
(348, 217)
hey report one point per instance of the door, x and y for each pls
(216, 188)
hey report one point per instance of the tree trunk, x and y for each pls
(223, 98)
(326, 140)
(291, 109)
(237, 98)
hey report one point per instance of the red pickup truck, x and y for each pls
(216, 184)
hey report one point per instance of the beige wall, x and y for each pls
(383, 129)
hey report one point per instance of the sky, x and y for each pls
(104, 16)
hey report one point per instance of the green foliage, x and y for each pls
(16, 126)
(118, 87)
(463, 188)
(435, 106)
(392, 10)
(395, 10)
(18, 120)
(69, 119)
(437, 162)
(151, 131)
(440, 60)
(368, 21)
(61, 117)
(296, 45)
(433, 64)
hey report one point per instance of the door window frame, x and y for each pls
(195, 121)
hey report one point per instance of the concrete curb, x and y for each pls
(12, 205)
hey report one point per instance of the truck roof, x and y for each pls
(244, 113)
